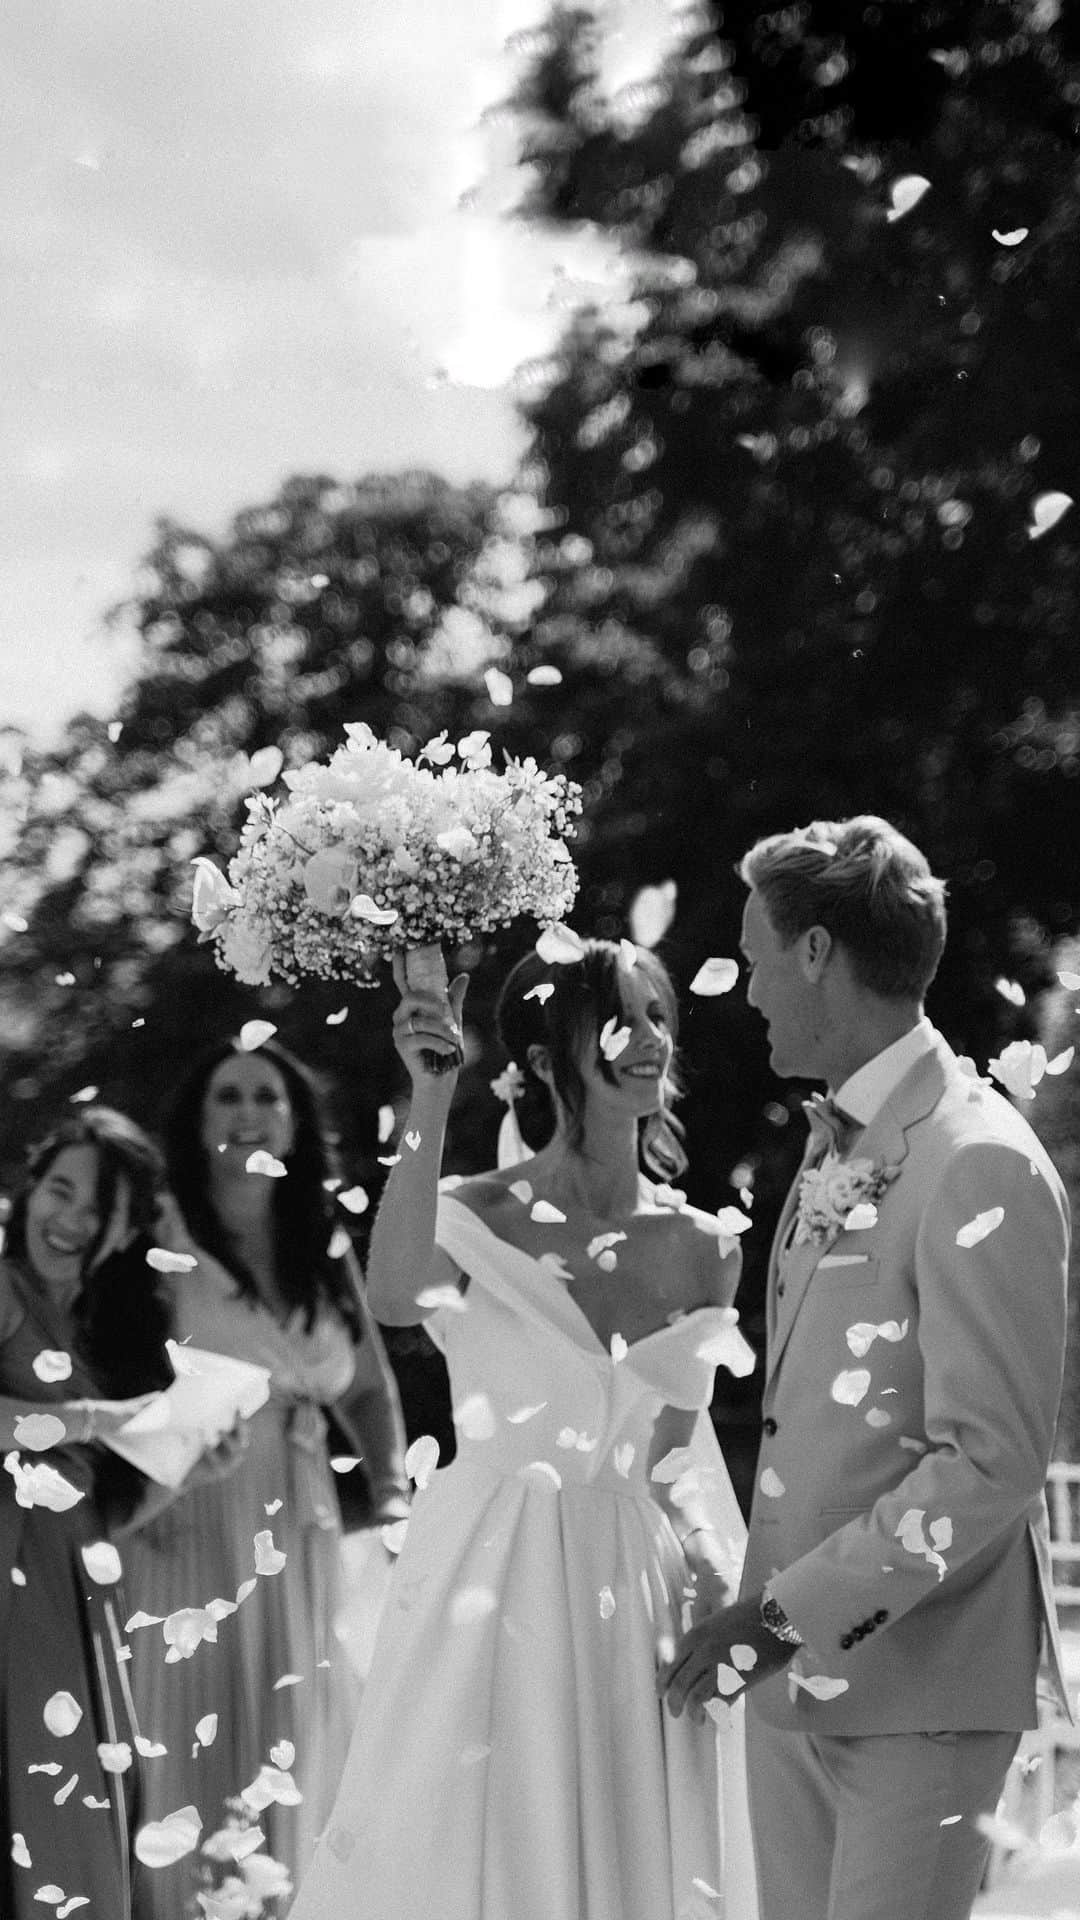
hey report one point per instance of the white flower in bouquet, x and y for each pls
(372, 853)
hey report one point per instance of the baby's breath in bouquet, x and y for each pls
(373, 854)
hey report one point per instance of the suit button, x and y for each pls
(780, 1289)
(881, 1616)
(769, 1426)
(859, 1632)
(847, 1642)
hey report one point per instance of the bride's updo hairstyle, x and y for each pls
(585, 995)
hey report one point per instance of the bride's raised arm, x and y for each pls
(403, 1260)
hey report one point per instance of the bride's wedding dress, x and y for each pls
(512, 1760)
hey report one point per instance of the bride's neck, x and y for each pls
(601, 1175)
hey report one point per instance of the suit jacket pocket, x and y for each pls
(841, 1269)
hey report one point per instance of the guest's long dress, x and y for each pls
(277, 1678)
(512, 1760)
(65, 1823)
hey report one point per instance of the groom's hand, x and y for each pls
(734, 1638)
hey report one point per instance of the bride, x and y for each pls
(512, 1756)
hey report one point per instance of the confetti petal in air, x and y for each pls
(211, 895)
(981, 1227)
(542, 992)
(65, 979)
(206, 1729)
(715, 977)
(862, 1217)
(1012, 991)
(543, 676)
(732, 1222)
(771, 1484)
(500, 687)
(264, 766)
(268, 1558)
(474, 1417)
(521, 1414)
(619, 1348)
(387, 1122)
(904, 194)
(449, 1298)
(607, 1261)
(337, 1019)
(62, 1714)
(861, 1336)
(102, 1562)
(41, 1486)
(38, 1431)
(622, 1458)
(744, 1658)
(355, 1199)
(1069, 980)
(115, 1756)
(1061, 1062)
(614, 1039)
(728, 1680)
(160, 1843)
(412, 1141)
(283, 1754)
(651, 913)
(851, 1386)
(163, 1260)
(254, 1033)
(877, 1417)
(1019, 1068)
(818, 1685)
(84, 1095)
(602, 1242)
(150, 1749)
(560, 946)
(393, 1535)
(20, 1853)
(262, 1162)
(1014, 238)
(1046, 510)
(546, 1215)
(186, 1629)
(340, 1243)
(364, 908)
(522, 1191)
(421, 1459)
(627, 956)
(287, 1680)
(913, 1540)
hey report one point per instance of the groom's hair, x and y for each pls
(868, 886)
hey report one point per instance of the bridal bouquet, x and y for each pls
(372, 853)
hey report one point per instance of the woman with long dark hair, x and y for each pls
(252, 1174)
(82, 1337)
(512, 1755)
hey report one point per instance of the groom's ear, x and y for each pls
(540, 1061)
(816, 944)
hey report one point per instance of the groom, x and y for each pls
(897, 1582)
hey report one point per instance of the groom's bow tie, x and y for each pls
(830, 1126)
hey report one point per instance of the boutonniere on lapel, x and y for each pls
(838, 1195)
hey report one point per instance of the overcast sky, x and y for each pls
(231, 251)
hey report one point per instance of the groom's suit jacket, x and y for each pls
(899, 1499)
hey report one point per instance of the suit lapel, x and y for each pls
(884, 1142)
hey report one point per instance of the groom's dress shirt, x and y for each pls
(865, 1092)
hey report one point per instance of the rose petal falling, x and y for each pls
(728, 1680)
(364, 908)
(614, 1039)
(164, 1260)
(337, 1019)
(115, 1756)
(732, 1222)
(819, 1685)
(206, 1729)
(38, 1431)
(1015, 237)
(904, 194)
(541, 993)
(715, 977)
(544, 676)
(862, 1217)
(283, 1755)
(412, 1141)
(980, 1227)
(102, 1562)
(268, 1558)
(622, 1458)
(20, 1853)
(150, 1749)
(254, 1033)
(265, 1163)
(340, 1242)
(62, 1714)
(771, 1484)
(744, 1658)
(851, 1386)
(560, 946)
(546, 1215)
(50, 1365)
(41, 1486)
(607, 1603)
(1046, 510)
(160, 1843)
(387, 1123)
(421, 1459)
(264, 766)
(354, 1199)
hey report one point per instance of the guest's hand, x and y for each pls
(427, 1022)
(102, 1417)
(690, 1678)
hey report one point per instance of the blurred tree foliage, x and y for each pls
(776, 550)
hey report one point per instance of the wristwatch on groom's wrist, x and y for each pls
(775, 1619)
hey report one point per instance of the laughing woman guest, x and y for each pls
(266, 1289)
(82, 1328)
